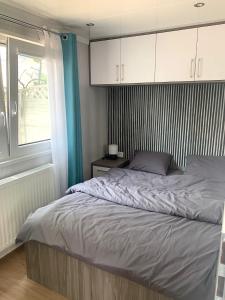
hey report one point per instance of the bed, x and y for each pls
(129, 235)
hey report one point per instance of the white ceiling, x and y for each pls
(121, 17)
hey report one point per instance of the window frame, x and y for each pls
(15, 48)
(4, 142)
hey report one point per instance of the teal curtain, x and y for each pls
(72, 95)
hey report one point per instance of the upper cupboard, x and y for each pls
(125, 60)
(210, 62)
(177, 56)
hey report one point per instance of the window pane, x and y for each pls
(33, 103)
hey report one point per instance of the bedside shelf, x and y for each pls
(100, 166)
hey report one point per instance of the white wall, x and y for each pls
(93, 113)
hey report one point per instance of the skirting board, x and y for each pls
(78, 280)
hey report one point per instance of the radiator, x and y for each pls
(21, 195)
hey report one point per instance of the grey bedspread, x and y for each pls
(162, 231)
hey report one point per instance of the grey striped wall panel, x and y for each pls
(180, 119)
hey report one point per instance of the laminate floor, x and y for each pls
(14, 284)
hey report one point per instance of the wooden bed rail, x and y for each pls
(78, 280)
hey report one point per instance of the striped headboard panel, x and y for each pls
(180, 119)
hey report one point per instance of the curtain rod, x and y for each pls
(26, 24)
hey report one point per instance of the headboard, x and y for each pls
(180, 119)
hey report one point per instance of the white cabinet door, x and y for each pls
(138, 59)
(210, 64)
(105, 62)
(175, 55)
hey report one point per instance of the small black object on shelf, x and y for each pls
(110, 157)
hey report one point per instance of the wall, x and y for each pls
(180, 119)
(93, 113)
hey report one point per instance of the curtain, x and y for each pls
(54, 59)
(72, 95)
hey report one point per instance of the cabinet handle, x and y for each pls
(192, 71)
(122, 77)
(200, 62)
(117, 73)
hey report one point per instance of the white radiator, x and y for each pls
(20, 195)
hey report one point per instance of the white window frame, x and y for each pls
(16, 47)
(4, 142)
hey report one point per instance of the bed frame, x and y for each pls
(78, 280)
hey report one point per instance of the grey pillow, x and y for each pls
(152, 162)
(206, 166)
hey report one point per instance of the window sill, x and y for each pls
(24, 163)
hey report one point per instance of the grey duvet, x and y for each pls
(161, 231)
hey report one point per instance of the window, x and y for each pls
(24, 114)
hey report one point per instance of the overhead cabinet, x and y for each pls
(191, 55)
(177, 56)
(138, 59)
(123, 61)
(210, 61)
(105, 62)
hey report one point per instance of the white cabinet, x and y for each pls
(175, 55)
(105, 62)
(210, 63)
(138, 59)
(191, 55)
(123, 61)
(196, 54)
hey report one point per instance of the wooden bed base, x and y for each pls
(78, 280)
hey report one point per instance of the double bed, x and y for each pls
(129, 235)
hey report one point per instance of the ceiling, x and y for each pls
(122, 17)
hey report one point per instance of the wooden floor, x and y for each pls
(14, 284)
